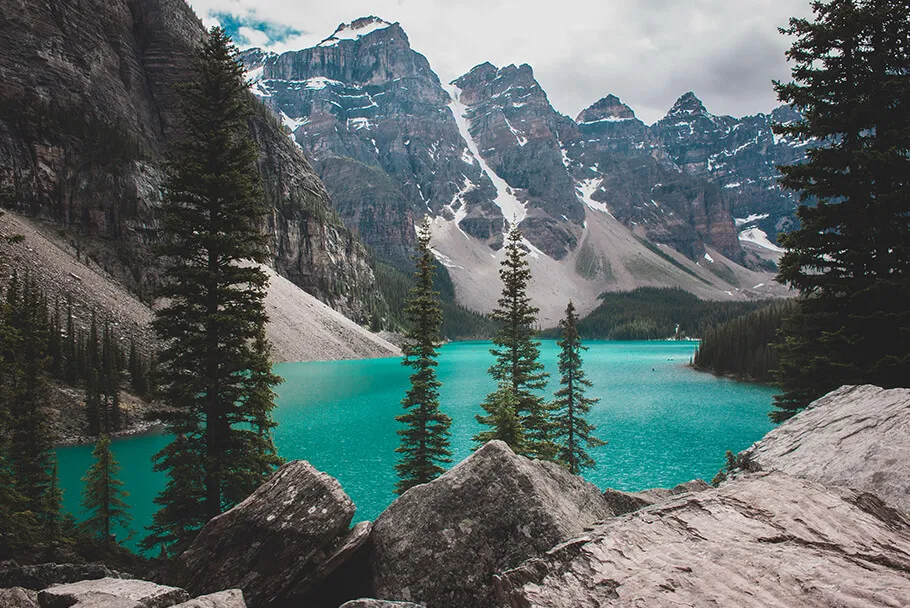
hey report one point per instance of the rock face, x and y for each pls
(41, 576)
(106, 592)
(440, 543)
(232, 598)
(764, 540)
(278, 543)
(87, 107)
(17, 597)
(371, 603)
(856, 436)
(627, 502)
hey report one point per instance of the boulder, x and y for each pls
(232, 598)
(440, 543)
(17, 597)
(855, 436)
(112, 593)
(272, 544)
(371, 603)
(766, 539)
(41, 576)
(626, 502)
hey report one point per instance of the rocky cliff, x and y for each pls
(87, 106)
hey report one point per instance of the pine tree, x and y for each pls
(850, 257)
(572, 431)
(212, 245)
(103, 497)
(502, 419)
(517, 352)
(425, 439)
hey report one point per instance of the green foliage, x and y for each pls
(571, 430)
(850, 257)
(214, 364)
(29, 498)
(745, 346)
(654, 313)
(735, 463)
(502, 419)
(103, 497)
(425, 438)
(517, 353)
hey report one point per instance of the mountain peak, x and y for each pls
(355, 30)
(688, 103)
(608, 109)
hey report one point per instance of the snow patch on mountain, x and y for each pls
(355, 30)
(742, 221)
(586, 189)
(760, 238)
(512, 209)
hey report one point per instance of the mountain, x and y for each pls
(87, 107)
(603, 202)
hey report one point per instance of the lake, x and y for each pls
(664, 423)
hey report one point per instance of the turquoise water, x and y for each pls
(664, 423)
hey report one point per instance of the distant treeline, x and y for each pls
(458, 323)
(744, 347)
(656, 313)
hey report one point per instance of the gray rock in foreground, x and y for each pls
(371, 603)
(17, 597)
(112, 593)
(231, 598)
(440, 543)
(627, 502)
(856, 436)
(271, 544)
(763, 540)
(41, 576)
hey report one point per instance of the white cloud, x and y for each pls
(647, 52)
(247, 36)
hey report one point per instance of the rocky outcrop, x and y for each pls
(277, 544)
(627, 502)
(232, 598)
(763, 540)
(41, 576)
(855, 436)
(112, 593)
(17, 597)
(371, 603)
(87, 107)
(440, 543)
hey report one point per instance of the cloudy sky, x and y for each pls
(647, 52)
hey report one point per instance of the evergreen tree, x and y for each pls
(517, 352)
(502, 419)
(572, 432)
(425, 438)
(103, 497)
(850, 257)
(212, 245)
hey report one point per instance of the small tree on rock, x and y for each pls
(501, 419)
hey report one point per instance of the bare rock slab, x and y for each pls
(17, 597)
(441, 543)
(271, 544)
(42, 576)
(231, 598)
(763, 540)
(856, 436)
(372, 603)
(626, 502)
(111, 593)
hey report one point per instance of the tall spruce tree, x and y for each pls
(425, 439)
(572, 432)
(517, 352)
(850, 257)
(212, 247)
(103, 497)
